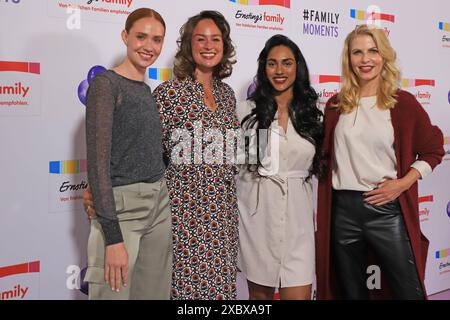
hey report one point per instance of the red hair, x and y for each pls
(143, 13)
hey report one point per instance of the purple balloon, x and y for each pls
(93, 72)
(84, 286)
(251, 89)
(82, 90)
(448, 209)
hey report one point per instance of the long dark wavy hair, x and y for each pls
(184, 64)
(303, 111)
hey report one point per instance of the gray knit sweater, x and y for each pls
(124, 142)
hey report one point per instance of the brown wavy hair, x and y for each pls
(389, 78)
(143, 13)
(184, 64)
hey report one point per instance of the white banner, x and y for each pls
(51, 49)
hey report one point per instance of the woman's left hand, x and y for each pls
(387, 191)
(88, 203)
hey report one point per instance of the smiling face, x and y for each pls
(207, 45)
(281, 68)
(366, 61)
(144, 42)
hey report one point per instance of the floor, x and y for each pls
(444, 295)
(243, 293)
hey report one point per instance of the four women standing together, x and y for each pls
(366, 169)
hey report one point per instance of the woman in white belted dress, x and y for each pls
(275, 195)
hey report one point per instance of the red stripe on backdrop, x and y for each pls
(424, 82)
(329, 78)
(387, 17)
(28, 267)
(31, 67)
(426, 199)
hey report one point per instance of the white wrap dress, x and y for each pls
(276, 226)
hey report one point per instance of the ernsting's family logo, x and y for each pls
(161, 74)
(447, 153)
(19, 88)
(67, 182)
(444, 266)
(20, 281)
(373, 16)
(255, 18)
(281, 3)
(420, 88)
(444, 26)
(424, 211)
(326, 86)
(126, 3)
(259, 17)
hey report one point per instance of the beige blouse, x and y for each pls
(364, 149)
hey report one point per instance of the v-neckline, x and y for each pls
(202, 95)
(215, 101)
(277, 119)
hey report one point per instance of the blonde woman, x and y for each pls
(378, 142)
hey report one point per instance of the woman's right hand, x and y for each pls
(116, 265)
(89, 203)
(116, 256)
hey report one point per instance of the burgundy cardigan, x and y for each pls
(415, 138)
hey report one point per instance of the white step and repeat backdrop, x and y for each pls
(50, 49)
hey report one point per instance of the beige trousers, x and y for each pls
(145, 221)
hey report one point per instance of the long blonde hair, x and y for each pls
(389, 78)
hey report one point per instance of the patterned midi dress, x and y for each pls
(201, 187)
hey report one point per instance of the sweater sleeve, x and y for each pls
(428, 138)
(99, 121)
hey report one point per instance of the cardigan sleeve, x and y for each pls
(428, 142)
(330, 113)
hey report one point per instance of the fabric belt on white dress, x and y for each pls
(280, 180)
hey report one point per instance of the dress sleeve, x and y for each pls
(100, 105)
(163, 106)
(236, 120)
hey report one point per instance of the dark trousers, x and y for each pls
(357, 225)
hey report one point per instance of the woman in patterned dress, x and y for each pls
(197, 110)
